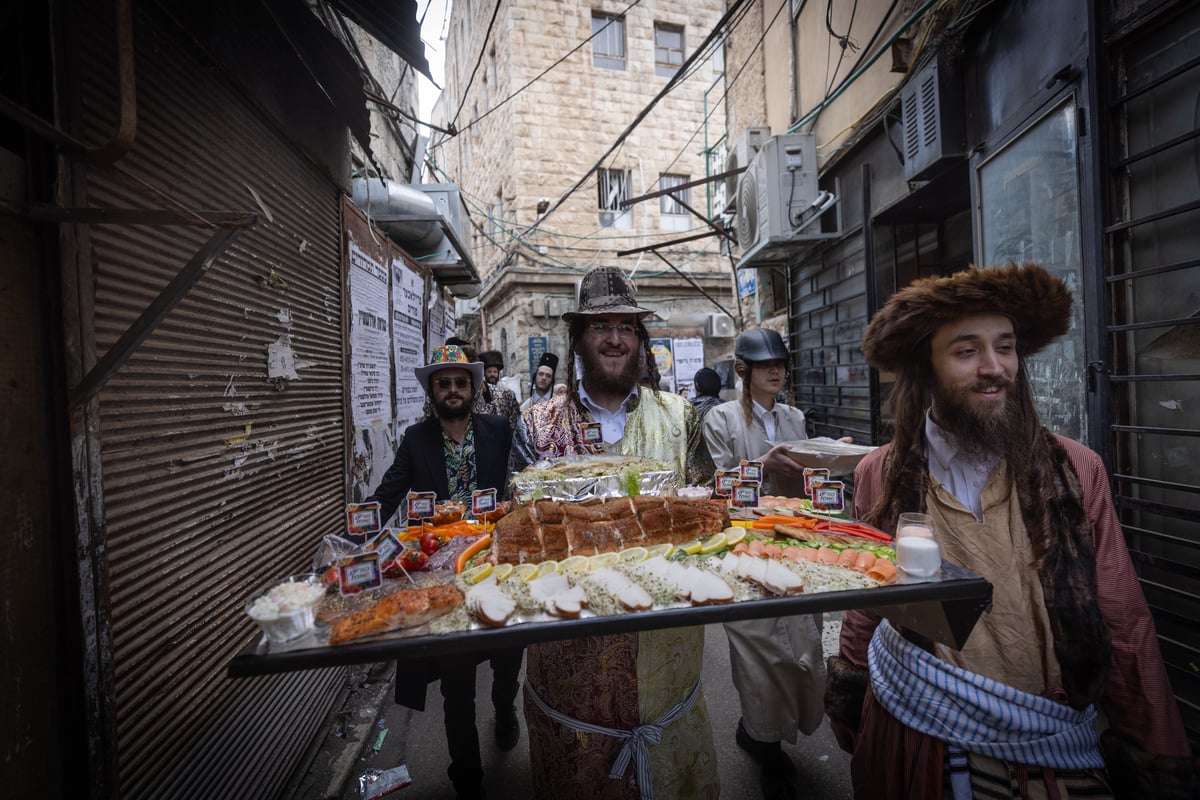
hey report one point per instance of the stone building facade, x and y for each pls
(535, 107)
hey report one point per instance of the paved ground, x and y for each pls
(372, 732)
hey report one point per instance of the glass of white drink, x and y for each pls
(917, 552)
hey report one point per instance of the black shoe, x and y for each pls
(508, 730)
(761, 752)
(779, 778)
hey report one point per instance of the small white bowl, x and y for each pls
(696, 492)
(287, 610)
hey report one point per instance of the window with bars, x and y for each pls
(608, 41)
(672, 213)
(1152, 235)
(668, 48)
(613, 188)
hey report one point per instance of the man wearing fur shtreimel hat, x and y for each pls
(1014, 712)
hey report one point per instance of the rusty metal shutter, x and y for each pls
(214, 479)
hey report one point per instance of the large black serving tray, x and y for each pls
(944, 609)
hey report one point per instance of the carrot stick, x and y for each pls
(475, 547)
(769, 521)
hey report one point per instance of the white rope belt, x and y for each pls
(637, 741)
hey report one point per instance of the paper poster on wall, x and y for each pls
(408, 295)
(747, 281)
(689, 358)
(441, 321)
(665, 359)
(370, 339)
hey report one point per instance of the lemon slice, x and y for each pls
(665, 549)
(632, 555)
(713, 543)
(573, 564)
(734, 535)
(545, 568)
(502, 571)
(524, 572)
(601, 560)
(692, 547)
(476, 574)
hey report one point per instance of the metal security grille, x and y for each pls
(829, 314)
(213, 477)
(1152, 235)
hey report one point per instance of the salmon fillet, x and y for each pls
(406, 608)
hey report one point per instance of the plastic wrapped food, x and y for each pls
(286, 611)
(593, 476)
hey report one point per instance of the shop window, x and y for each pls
(1029, 212)
(608, 41)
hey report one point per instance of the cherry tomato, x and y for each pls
(430, 543)
(414, 559)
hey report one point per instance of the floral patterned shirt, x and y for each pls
(461, 479)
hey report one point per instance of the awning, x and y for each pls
(392, 22)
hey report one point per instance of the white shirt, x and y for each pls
(962, 478)
(767, 418)
(612, 423)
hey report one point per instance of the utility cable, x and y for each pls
(482, 50)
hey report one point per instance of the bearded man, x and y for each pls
(1013, 712)
(584, 697)
(453, 453)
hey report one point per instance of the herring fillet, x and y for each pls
(406, 608)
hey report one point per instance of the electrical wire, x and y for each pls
(475, 71)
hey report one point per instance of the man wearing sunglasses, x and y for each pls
(646, 681)
(453, 453)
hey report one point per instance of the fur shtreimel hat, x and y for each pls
(492, 358)
(1038, 303)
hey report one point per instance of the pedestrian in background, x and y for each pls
(707, 385)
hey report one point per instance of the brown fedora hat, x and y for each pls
(606, 290)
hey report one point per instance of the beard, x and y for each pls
(980, 432)
(445, 410)
(599, 376)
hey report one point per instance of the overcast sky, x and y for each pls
(436, 13)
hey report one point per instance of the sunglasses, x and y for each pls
(457, 383)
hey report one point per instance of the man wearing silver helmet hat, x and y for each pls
(622, 681)
(1068, 631)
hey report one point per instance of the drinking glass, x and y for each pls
(917, 551)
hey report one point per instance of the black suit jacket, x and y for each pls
(420, 464)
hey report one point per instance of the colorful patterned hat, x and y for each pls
(449, 356)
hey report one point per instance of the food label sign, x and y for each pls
(421, 505)
(385, 545)
(814, 474)
(744, 494)
(483, 501)
(751, 471)
(360, 572)
(591, 432)
(723, 485)
(828, 496)
(363, 519)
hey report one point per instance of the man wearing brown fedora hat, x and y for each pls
(453, 453)
(1013, 713)
(626, 681)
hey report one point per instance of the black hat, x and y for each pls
(492, 358)
(760, 344)
(707, 382)
(548, 360)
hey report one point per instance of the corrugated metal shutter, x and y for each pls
(215, 480)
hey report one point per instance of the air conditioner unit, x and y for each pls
(931, 109)
(778, 193)
(718, 326)
(744, 150)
